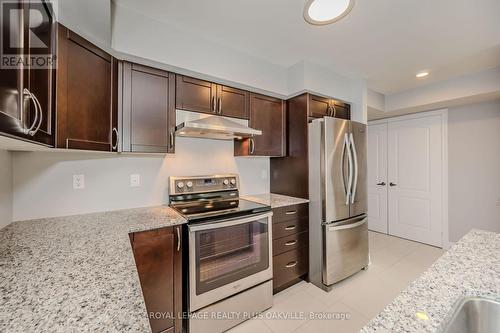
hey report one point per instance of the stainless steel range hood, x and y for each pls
(198, 125)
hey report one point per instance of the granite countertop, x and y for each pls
(470, 268)
(275, 200)
(75, 273)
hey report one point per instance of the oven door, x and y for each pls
(228, 256)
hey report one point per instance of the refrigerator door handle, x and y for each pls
(342, 161)
(356, 170)
(349, 156)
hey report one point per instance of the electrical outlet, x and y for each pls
(135, 180)
(78, 182)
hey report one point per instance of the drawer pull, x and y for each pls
(290, 227)
(291, 212)
(290, 243)
(291, 264)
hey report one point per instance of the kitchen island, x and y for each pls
(75, 273)
(470, 268)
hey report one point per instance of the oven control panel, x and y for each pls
(200, 184)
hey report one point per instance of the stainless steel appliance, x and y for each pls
(230, 256)
(338, 200)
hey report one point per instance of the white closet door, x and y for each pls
(415, 163)
(377, 177)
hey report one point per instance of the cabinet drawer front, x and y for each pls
(288, 228)
(289, 213)
(289, 266)
(284, 244)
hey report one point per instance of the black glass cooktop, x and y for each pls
(202, 210)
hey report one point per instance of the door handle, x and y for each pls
(171, 139)
(356, 171)
(32, 97)
(178, 239)
(392, 184)
(252, 146)
(381, 184)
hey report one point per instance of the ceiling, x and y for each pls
(385, 42)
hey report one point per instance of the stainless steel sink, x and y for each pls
(474, 315)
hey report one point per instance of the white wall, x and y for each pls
(43, 181)
(474, 168)
(5, 188)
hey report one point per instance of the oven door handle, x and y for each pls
(228, 223)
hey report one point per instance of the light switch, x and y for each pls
(135, 180)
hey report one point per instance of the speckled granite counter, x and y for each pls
(275, 200)
(470, 268)
(75, 273)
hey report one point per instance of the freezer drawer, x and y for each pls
(345, 250)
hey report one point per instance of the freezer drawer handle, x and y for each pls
(291, 264)
(290, 227)
(290, 243)
(348, 226)
(291, 212)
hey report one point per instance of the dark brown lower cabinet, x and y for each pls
(148, 104)
(290, 245)
(158, 258)
(87, 116)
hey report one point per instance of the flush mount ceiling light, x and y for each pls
(320, 12)
(422, 74)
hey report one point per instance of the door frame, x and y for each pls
(443, 113)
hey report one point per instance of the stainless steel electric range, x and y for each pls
(230, 251)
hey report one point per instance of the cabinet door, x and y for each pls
(40, 81)
(232, 102)
(195, 95)
(268, 115)
(341, 109)
(158, 260)
(11, 111)
(148, 103)
(319, 107)
(22, 86)
(84, 94)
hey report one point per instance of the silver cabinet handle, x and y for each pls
(252, 146)
(214, 106)
(291, 264)
(334, 113)
(178, 239)
(356, 171)
(291, 212)
(220, 105)
(290, 243)
(290, 227)
(115, 131)
(32, 97)
(171, 139)
(40, 118)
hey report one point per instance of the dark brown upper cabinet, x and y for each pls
(268, 115)
(87, 114)
(207, 97)
(320, 107)
(148, 105)
(158, 258)
(27, 91)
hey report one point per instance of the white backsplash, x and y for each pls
(43, 182)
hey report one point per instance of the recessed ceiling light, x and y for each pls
(321, 12)
(422, 74)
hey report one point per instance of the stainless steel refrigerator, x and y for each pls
(338, 228)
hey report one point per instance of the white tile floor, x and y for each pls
(395, 262)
